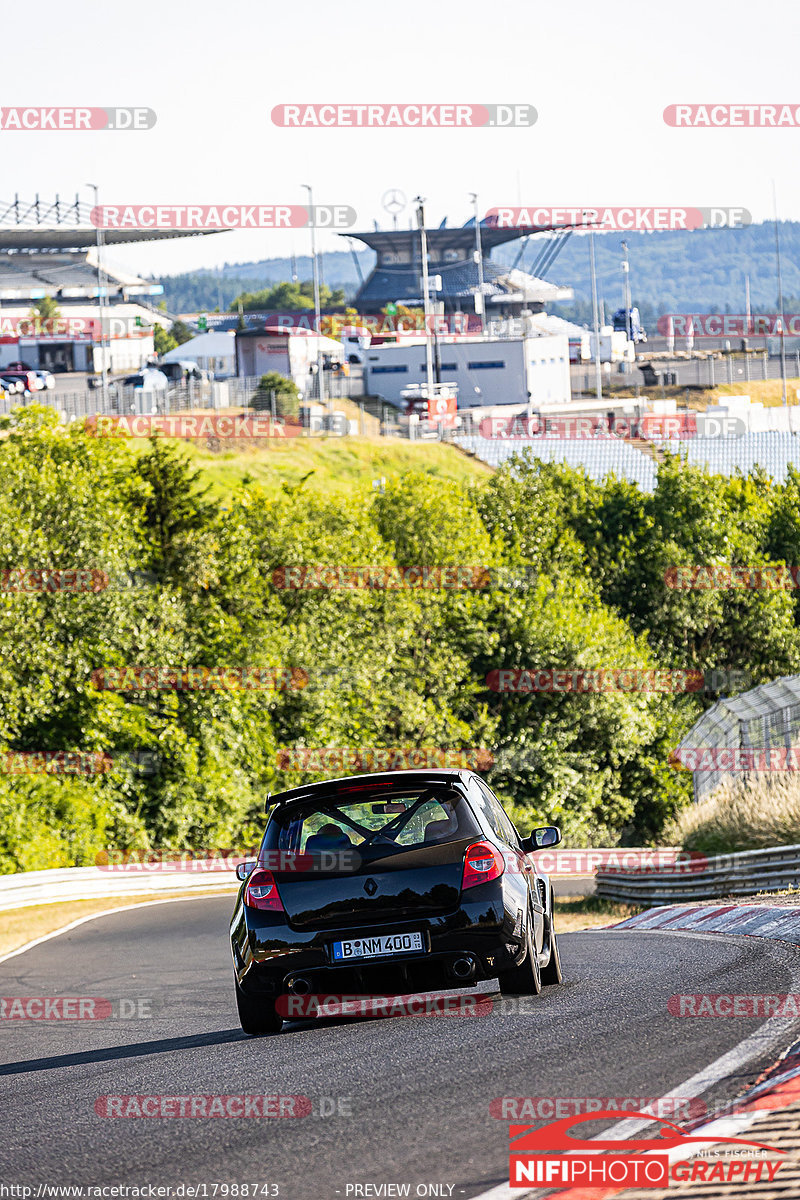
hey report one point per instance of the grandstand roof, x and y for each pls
(40, 238)
(448, 237)
(70, 274)
(66, 225)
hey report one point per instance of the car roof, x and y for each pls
(378, 778)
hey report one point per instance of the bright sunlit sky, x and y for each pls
(599, 76)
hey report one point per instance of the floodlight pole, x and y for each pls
(101, 300)
(317, 318)
(598, 372)
(479, 260)
(426, 295)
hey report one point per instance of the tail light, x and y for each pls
(261, 891)
(482, 863)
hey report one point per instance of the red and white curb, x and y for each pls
(777, 1088)
(758, 920)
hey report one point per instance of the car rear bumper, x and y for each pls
(469, 944)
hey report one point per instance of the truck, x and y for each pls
(620, 321)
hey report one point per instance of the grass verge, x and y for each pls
(587, 912)
(23, 925)
(338, 464)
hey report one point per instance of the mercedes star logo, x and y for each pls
(394, 200)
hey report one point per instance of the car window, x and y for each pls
(377, 824)
(504, 822)
(482, 799)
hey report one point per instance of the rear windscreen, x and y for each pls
(373, 824)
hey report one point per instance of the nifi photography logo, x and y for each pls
(629, 1162)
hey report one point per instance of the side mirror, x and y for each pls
(244, 869)
(545, 835)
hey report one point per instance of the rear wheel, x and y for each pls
(526, 979)
(552, 972)
(257, 1014)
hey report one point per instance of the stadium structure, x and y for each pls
(105, 316)
(452, 255)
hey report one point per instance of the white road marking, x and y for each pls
(105, 913)
(727, 1064)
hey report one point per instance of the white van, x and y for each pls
(356, 341)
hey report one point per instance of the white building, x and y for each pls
(213, 352)
(72, 340)
(487, 371)
(292, 353)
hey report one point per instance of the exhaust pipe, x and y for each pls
(464, 968)
(300, 986)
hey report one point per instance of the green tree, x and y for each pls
(287, 395)
(163, 341)
(181, 332)
(287, 297)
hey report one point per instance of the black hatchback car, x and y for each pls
(387, 883)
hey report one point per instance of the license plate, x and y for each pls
(377, 947)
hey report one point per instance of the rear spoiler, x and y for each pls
(348, 784)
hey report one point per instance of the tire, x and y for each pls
(552, 972)
(526, 979)
(257, 1016)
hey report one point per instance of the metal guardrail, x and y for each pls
(90, 883)
(151, 873)
(744, 874)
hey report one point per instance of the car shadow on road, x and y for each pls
(134, 1050)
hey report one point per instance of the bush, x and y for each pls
(741, 815)
(287, 396)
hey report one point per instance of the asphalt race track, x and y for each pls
(410, 1095)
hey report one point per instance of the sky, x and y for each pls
(599, 77)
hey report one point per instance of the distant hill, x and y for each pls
(699, 271)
